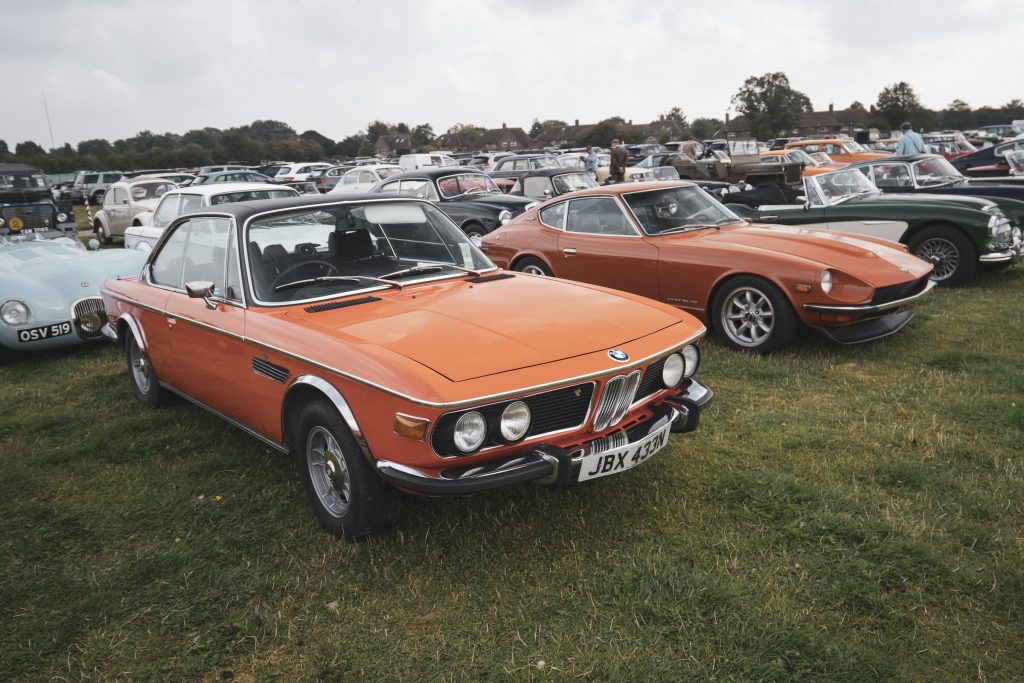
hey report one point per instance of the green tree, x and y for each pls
(4, 150)
(536, 128)
(958, 114)
(704, 128)
(602, 133)
(898, 103)
(770, 104)
(99, 148)
(348, 148)
(269, 130)
(326, 144)
(375, 130)
(470, 133)
(676, 114)
(192, 155)
(423, 134)
(1014, 110)
(856, 106)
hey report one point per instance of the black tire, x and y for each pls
(143, 377)
(751, 314)
(534, 266)
(950, 250)
(101, 233)
(348, 498)
(474, 231)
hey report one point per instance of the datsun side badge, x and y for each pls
(618, 356)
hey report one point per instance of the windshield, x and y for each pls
(545, 162)
(802, 157)
(321, 252)
(466, 183)
(743, 148)
(1016, 162)
(386, 171)
(154, 190)
(839, 186)
(570, 182)
(935, 171)
(22, 180)
(677, 209)
(822, 158)
(250, 195)
(854, 147)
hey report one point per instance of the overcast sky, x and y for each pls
(111, 69)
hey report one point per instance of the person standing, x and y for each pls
(618, 165)
(689, 148)
(910, 142)
(590, 162)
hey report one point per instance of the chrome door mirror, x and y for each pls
(202, 289)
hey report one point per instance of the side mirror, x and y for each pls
(201, 289)
(547, 193)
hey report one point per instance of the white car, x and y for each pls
(176, 202)
(576, 160)
(362, 178)
(414, 162)
(125, 201)
(294, 173)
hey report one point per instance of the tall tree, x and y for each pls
(857, 106)
(423, 134)
(676, 114)
(536, 128)
(958, 115)
(770, 104)
(898, 103)
(375, 130)
(326, 144)
(703, 128)
(349, 147)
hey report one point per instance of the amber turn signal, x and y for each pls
(410, 427)
(802, 288)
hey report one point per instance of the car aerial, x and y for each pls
(754, 285)
(988, 161)
(955, 233)
(49, 283)
(245, 176)
(146, 233)
(577, 160)
(469, 198)
(550, 182)
(371, 338)
(363, 178)
(738, 161)
(812, 166)
(89, 186)
(327, 179)
(293, 173)
(840, 149)
(124, 204)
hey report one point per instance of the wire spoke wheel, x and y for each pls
(943, 254)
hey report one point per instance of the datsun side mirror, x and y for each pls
(201, 289)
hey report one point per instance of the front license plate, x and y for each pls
(621, 459)
(44, 332)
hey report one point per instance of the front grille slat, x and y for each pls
(34, 216)
(651, 381)
(618, 395)
(86, 308)
(884, 295)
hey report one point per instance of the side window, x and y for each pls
(167, 211)
(598, 216)
(554, 216)
(521, 165)
(111, 177)
(168, 264)
(390, 187)
(90, 178)
(812, 148)
(367, 177)
(351, 178)
(534, 186)
(419, 188)
(206, 252)
(120, 197)
(190, 202)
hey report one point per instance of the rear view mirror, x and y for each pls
(201, 289)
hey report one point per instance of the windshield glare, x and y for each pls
(842, 185)
(802, 157)
(288, 252)
(853, 147)
(677, 209)
(22, 180)
(570, 182)
(455, 185)
(935, 170)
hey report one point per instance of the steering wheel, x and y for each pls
(326, 268)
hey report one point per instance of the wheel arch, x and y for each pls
(529, 254)
(912, 232)
(125, 324)
(306, 388)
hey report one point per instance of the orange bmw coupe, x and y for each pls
(372, 338)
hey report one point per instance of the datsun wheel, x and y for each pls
(751, 314)
(348, 497)
(949, 250)
(533, 266)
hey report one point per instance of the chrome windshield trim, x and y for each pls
(816, 308)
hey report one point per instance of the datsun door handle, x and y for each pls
(569, 250)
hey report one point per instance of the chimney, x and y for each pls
(504, 125)
(577, 123)
(727, 118)
(831, 108)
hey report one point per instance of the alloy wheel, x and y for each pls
(328, 472)
(748, 317)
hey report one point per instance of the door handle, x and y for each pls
(171, 322)
(768, 218)
(569, 251)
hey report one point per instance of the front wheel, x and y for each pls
(751, 314)
(145, 383)
(349, 499)
(533, 266)
(949, 250)
(474, 232)
(101, 234)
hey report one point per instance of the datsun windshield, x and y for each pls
(250, 195)
(838, 187)
(677, 209)
(466, 183)
(153, 190)
(935, 171)
(322, 252)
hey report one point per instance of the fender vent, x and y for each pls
(320, 308)
(490, 278)
(274, 372)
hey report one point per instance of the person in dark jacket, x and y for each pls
(618, 166)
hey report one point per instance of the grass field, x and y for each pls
(842, 514)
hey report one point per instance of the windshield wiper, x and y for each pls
(428, 268)
(337, 278)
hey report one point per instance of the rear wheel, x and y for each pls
(533, 266)
(751, 314)
(349, 499)
(950, 251)
(101, 233)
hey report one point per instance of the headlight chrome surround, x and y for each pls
(826, 281)
(62, 217)
(673, 370)
(691, 356)
(15, 313)
(470, 432)
(515, 422)
(504, 217)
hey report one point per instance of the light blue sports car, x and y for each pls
(50, 288)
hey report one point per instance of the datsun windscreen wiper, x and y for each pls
(337, 278)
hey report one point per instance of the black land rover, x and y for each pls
(27, 204)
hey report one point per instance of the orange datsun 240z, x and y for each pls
(675, 243)
(373, 339)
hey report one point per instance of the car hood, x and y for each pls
(465, 331)
(870, 260)
(898, 200)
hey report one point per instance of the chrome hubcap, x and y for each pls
(328, 472)
(943, 254)
(140, 367)
(748, 317)
(533, 270)
(476, 238)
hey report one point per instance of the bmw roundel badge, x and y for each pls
(618, 356)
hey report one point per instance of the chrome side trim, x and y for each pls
(816, 308)
(248, 430)
(433, 404)
(340, 404)
(140, 339)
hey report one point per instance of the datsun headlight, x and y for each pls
(826, 281)
(470, 432)
(515, 421)
(672, 371)
(691, 354)
(14, 312)
(504, 217)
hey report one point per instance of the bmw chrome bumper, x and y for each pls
(544, 463)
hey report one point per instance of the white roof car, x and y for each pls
(182, 200)
(362, 178)
(292, 173)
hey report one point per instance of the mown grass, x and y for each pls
(841, 514)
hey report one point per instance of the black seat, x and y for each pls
(262, 275)
(350, 245)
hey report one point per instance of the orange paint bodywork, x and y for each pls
(836, 148)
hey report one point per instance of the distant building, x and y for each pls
(394, 145)
(811, 123)
(568, 136)
(505, 139)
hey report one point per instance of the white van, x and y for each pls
(412, 162)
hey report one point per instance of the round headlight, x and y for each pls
(826, 281)
(672, 370)
(1, 222)
(62, 217)
(691, 354)
(470, 432)
(515, 421)
(505, 216)
(14, 313)
(90, 323)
